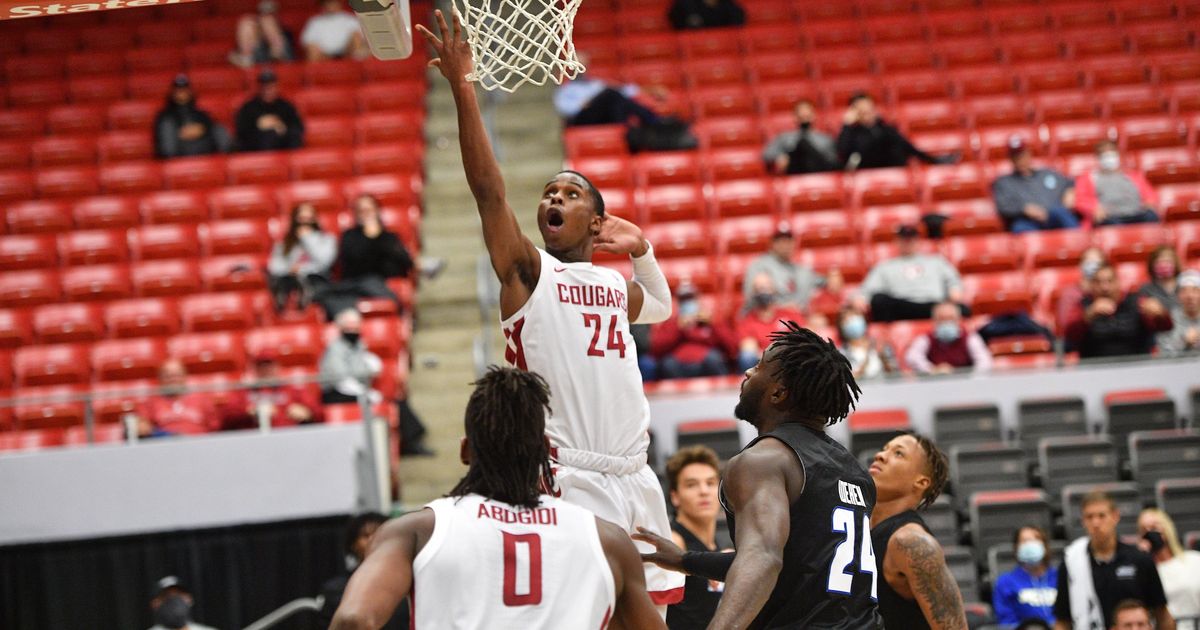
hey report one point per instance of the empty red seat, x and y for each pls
(883, 186)
(15, 186)
(1151, 132)
(148, 85)
(1076, 137)
(1054, 248)
(37, 94)
(131, 177)
(610, 172)
(235, 237)
(1157, 39)
(50, 365)
(594, 141)
(257, 168)
(823, 229)
(329, 131)
(236, 202)
(191, 173)
(997, 292)
(1051, 78)
(133, 115)
(66, 182)
(233, 273)
(75, 119)
(667, 168)
(96, 282)
(745, 235)
(1132, 100)
(390, 190)
(734, 163)
(1128, 243)
(1097, 42)
(163, 59)
(296, 345)
(320, 164)
(208, 353)
(126, 359)
(387, 127)
(943, 142)
(92, 64)
(903, 57)
(879, 223)
(1176, 67)
(385, 159)
(98, 89)
(33, 69)
(154, 278)
(145, 317)
(1056, 106)
(968, 53)
(679, 239)
(105, 212)
(847, 260)
(32, 440)
(1110, 72)
(728, 133)
(111, 401)
(813, 192)
(174, 207)
(164, 241)
(49, 408)
(973, 254)
(125, 146)
(929, 116)
(209, 81)
(15, 330)
(15, 154)
(28, 288)
(323, 195)
(109, 37)
(964, 217)
(385, 97)
(67, 323)
(22, 123)
(325, 101)
(742, 197)
(343, 72)
(1170, 165)
(101, 433)
(994, 110)
(960, 181)
(27, 251)
(38, 217)
(209, 312)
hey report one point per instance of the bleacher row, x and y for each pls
(112, 261)
(1142, 454)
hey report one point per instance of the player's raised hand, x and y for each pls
(453, 52)
(666, 553)
(618, 236)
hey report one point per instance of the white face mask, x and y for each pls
(1110, 160)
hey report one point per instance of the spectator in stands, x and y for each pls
(1163, 266)
(694, 475)
(590, 100)
(794, 282)
(268, 122)
(762, 317)
(286, 405)
(647, 364)
(1111, 196)
(347, 368)
(911, 284)
(804, 149)
(1185, 318)
(1070, 296)
(300, 264)
(866, 141)
(1108, 323)
(869, 357)
(333, 33)
(691, 344)
(1178, 568)
(182, 129)
(828, 300)
(1131, 615)
(261, 38)
(1030, 198)
(368, 255)
(1027, 591)
(695, 14)
(171, 604)
(175, 411)
(360, 531)
(1118, 572)
(949, 346)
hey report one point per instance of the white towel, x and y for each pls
(1085, 606)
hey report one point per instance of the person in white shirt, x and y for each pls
(333, 33)
(1178, 568)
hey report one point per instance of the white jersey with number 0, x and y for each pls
(491, 565)
(574, 331)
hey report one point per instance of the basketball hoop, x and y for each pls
(387, 26)
(515, 42)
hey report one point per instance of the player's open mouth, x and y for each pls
(554, 219)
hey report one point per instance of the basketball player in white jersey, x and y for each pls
(496, 553)
(568, 320)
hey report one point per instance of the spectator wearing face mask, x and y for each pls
(1027, 591)
(1178, 568)
(1110, 323)
(1112, 196)
(691, 344)
(804, 149)
(171, 605)
(1185, 318)
(869, 357)
(761, 319)
(347, 368)
(950, 346)
(1164, 267)
(794, 282)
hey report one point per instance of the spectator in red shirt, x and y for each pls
(175, 411)
(827, 301)
(1110, 195)
(285, 404)
(690, 344)
(1112, 323)
(761, 319)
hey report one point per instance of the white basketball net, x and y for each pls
(515, 42)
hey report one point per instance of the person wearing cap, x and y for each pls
(182, 129)
(284, 404)
(1110, 195)
(333, 33)
(690, 343)
(794, 282)
(261, 38)
(268, 122)
(171, 605)
(867, 141)
(803, 149)
(1029, 198)
(1185, 335)
(909, 285)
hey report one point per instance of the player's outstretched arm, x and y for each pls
(649, 294)
(385, 577)
(756, 487)
(923, 564)
(634, 610)
(514, 257)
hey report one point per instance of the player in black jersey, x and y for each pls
(798, 503)
(917, 590)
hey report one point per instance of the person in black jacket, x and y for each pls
(268, 122)
(694, 14)
(866, 141)
(368, 255)
(182, 129)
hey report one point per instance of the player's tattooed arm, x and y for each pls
(924, 565)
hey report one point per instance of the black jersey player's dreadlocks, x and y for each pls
(818, 378)
(506, 427)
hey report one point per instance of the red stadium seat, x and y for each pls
(133, 115)
(1132, 100)
(679, 239)
(323, 195)
(387, 127)
(745, 235)
(1110, 72)
(1151, 132)
(1129, 243)
(51, 365)
(995, 110)
(15, 154)
(347, 72)
(883, 186)
(674, 167)
(146, 317)
(15, 186)
(1076, 137)
(1175, 67)
(974, 254)
(99, 89)
(257, 168)
(594, 141)
(38, 217)
(30, 440)
(209, 81)
(101, 433)
(742, 197)
(386, 97)
(28, 288)
(932, 116)
(960, 181)
(191, 173)
(208, 312)
(22, 123)
(38, 68)
(824, 65)
(385, 159)
(1097, 42)
(1156, 39)
(325, 102)
(384, 336)
(242, 202)
(157, 278)
(1189, 236)
(1056, 106)
(27, 251)
(233, 273)
(650, 46)
(105, 212)
(76, 119)
(320, 164)
(903, 57)
(16, 329)
(944, 143)
(131, 177)
(610, 172)
(148, 85)
(49, 408)
(1051, 78)
(718, 133)
(813, 192)
(329, 131)
(377, 70)
(879, 223)
(823, 229)
(96, 282)
(109, 37)
(1170, 165)
(92, 64)
(208, 353)
(847, 260)
(296, 345)
(37, 94)
(969, 217)
(731, 164)
(174, 207)
(66, 182)
(1055, 248)
(67, 323)
(673, 203)
(125, 146)
(164, 241)
(126, 359)
(111, 401)
(164, 59)
(696, 270)
(235, 237)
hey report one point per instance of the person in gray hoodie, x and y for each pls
(300, 263)
(911, 284)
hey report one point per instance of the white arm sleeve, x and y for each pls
(656, 303)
